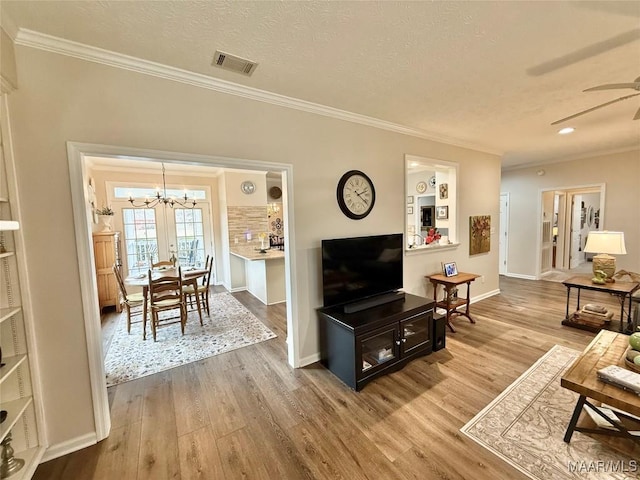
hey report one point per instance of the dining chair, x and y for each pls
(201, 292)
(129, 300)
(165, 293)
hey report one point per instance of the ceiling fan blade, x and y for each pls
(637, 115)
(595, 108)
(613, 86)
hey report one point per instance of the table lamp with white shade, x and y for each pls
(605, 244)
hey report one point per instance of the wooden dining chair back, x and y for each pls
(203, 290)
(129, 300)
(165, 293)
(206, 267)
(200, 292)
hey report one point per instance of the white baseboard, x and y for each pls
(518, 275)
(485, 295)
(70, 446)
(237, 289)
(309, 360)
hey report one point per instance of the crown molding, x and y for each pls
(583, 156)
(41, 41)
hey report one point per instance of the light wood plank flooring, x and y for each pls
(247, 414)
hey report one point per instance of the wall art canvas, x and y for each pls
(479, 234)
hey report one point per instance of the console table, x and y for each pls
(358, 347)
(593, 323)
(449, 304)
(607, 348)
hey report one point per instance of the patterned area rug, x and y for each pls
(525, 426)
(230, 326)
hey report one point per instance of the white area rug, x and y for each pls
(525, 426)
(230, 326)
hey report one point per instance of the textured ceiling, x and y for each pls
(489, 74)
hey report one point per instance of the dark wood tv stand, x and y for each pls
(359, 347)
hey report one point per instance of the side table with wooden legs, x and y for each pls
(449, 304)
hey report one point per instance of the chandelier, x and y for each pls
(163, 199)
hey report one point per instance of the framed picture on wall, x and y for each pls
(442, 212)
(410, 199)
(409, 210)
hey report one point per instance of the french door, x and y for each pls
(163, 233)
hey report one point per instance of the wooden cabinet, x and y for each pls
(106, 250)
(359, 347)
(20, 395)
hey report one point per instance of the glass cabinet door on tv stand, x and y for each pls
(416, 333)
(377, 348)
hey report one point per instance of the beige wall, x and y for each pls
(619, 172)
(8, 70)
(63, 99)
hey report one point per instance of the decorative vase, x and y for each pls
(105, 222)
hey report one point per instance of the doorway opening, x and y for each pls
(78, 155)
(568, 215)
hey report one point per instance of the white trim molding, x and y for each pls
(485, 295)
(520, 275)
(76, 153)
(49, 43)
(69, 446)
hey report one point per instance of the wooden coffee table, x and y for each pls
(607, 348)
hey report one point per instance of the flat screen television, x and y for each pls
(357, 268)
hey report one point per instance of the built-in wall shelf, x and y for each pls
(6, 313)
(22, 432)
(6, 225)
(15, 409)
(10, 364)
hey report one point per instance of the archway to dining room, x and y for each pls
(84, 166)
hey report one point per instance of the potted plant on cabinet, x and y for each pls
(105, 215)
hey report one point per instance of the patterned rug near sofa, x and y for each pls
(526, 423)
(229, 327)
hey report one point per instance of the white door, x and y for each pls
(575, 258)
(153, 234)
(504, 233)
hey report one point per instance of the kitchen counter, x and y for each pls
(250, 252)
(262, 274)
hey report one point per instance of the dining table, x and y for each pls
(190, 276)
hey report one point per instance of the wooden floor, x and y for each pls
(247, 414)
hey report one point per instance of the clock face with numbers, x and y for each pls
(356, 194)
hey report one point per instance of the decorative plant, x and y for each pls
(104, 211)
(432, 236)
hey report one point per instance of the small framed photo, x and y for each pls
(442, 213)
(444, 190)
(409, 210)
(449, 269)
(410, 199)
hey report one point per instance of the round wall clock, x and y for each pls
(356, 194)
(421, 187)
(432, 182)
(248, 187)
(275, 192)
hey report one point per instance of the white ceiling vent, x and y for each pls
(233, 63)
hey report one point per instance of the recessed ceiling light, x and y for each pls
(566, 130)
